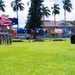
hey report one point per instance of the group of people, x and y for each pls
(5, 38)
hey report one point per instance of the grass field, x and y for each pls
(38, 58)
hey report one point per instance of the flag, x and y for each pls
(14, 21)
(4, 21)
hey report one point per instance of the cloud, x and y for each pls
(22, 14)
(69, 16)
(48, 3)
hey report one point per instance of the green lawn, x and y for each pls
(38, 58)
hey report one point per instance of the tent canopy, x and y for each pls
(4, 20)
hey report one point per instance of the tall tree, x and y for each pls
(2, 6)
(45, 12)
(73, 23)
(34, 19)
(55, 12)
(67, 6)
(17, 5)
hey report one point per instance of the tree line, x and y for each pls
(37, 11)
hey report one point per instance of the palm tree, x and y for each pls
(45, 12)
(55, 12)
(67, 6)
(2, 6)
(17, 5)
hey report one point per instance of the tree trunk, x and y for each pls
(17, 18)
(44, 21)
(55, 23)
(65, 20)
(64, 15)
(17, 25)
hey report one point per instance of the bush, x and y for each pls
(59, 40)
(17, 40)
(38, 40)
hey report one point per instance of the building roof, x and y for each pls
(58, 24)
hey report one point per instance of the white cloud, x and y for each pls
(22, 14)
(48, 3)
(69, 16)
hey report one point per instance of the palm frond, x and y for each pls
(2, 6)
(67, 5)
(55, 9)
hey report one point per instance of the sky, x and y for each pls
(49, 3)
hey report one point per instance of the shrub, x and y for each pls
(17, 40)
(38, 40)
(59, 40)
